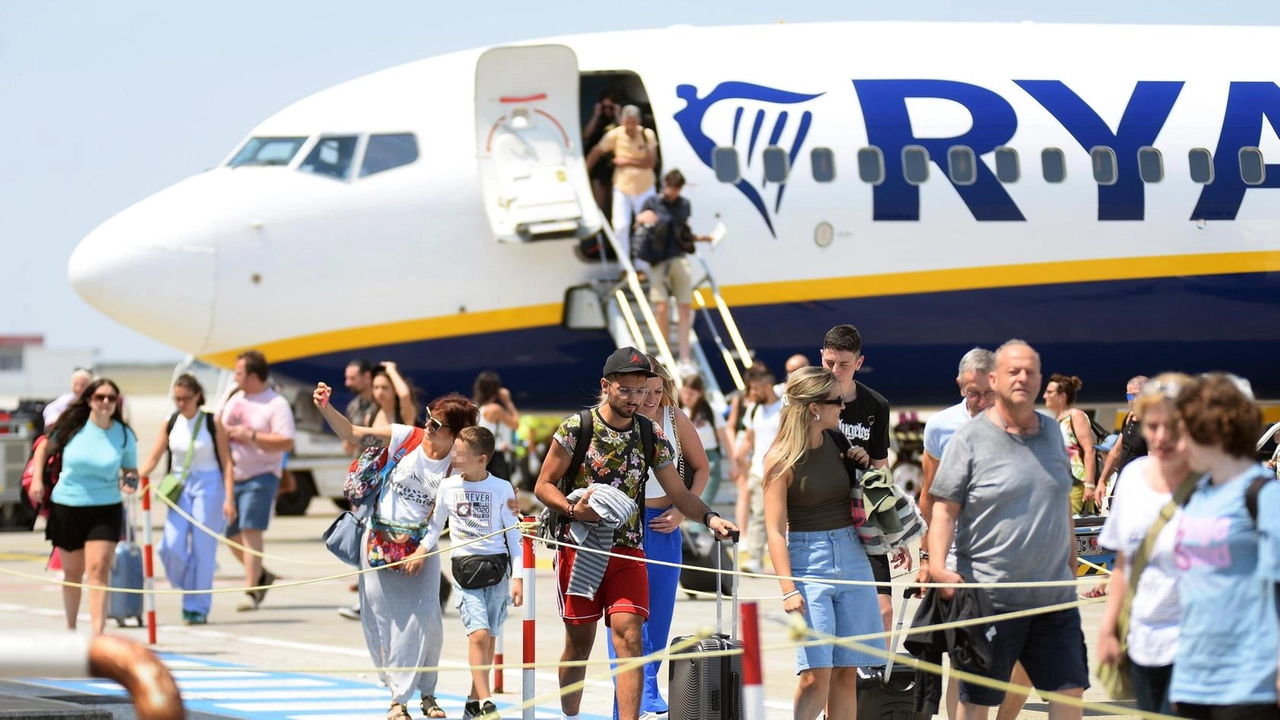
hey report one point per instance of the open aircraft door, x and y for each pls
(529, 145)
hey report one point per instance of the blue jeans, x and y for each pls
(1151, 687)
(663, 583)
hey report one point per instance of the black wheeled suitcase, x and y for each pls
(889, 693)
(697, 550)
(709, 688)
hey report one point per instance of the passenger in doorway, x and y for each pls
(1001, 494)
(1060, 399)
(498, 414)
(359, 381)
(80, 380)
(197, 449)
(635, 154)
(864, 420)
(1131, 445)
(604, 118)
(671, 240)
(259, 424)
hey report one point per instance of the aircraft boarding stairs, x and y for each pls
(629, 317)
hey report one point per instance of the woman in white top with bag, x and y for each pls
(1145, 486)
(197, 448)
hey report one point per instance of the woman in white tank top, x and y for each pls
(662, 537)
(187, 551)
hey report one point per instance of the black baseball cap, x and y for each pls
(628, 360)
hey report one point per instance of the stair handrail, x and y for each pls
(726, 316)
(642, 299)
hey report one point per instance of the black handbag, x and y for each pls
(479, 571)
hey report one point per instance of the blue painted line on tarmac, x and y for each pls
(242, 691)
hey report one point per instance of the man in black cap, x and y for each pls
(622, 447)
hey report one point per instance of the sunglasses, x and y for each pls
(830, 401)
(106, 398)
(433, 423)
(1130, 396)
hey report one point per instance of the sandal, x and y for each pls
(431, 708)
(1098, 591)
(398, 712)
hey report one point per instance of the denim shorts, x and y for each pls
(1050, 648)
(483, 608)
(254, 500)
(834, 609)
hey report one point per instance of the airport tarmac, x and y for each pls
(296, 642)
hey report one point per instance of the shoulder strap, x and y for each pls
(410, 444)
(586, 424)
(1140, 558)
(191, 448)
(212, 425)
(1251, 496)
(675, 444)
(647, 440)
(168, 428)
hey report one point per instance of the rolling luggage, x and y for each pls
(126, 572)
(697, 550)
(709, 688)
(889, 693)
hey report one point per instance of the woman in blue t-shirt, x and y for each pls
(1228, 554)
(86, 516)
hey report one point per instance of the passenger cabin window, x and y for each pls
(1252, 169)
(871, 165)
(915, 164)
(267, 151)
(331, 156)
(1201, 162)
(1104, 165)
(1007, 170)
(961, 165)
(777, 165)
(1054, 164)
(724, 160)
(1150, 165)
(385, 152)
(824, 164)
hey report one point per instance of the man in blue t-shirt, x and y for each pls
(666, 242)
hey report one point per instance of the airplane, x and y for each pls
(1100, 191)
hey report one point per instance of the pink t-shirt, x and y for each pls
(268, 413)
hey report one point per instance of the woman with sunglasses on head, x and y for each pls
(400, 607)
(393, 400)
(812, 538)
(662, 539)
(1228, 549)
(86, 514)
(188, 552)
(1150, 482)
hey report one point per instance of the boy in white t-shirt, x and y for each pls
(477, 504)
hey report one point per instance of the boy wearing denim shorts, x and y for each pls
(477, 506)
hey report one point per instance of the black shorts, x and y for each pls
(880, 571)
(1050, 647)
(70, 527)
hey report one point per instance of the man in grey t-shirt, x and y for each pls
(1006, 479)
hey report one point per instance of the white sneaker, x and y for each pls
(351, 613)
(752, 566)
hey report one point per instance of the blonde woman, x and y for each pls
(662, 538)
(812, 538)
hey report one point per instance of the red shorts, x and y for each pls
(625, 588)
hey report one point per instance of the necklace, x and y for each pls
(1014, 429)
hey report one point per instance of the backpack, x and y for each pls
(651, 242)
(367, 471)
(1251, 496)
(52, 468)
(213, 433)
(550, 522)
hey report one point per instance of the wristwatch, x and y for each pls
(706, 519)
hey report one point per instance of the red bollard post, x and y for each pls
(498, 686)
(148, 567)
(530, 613)
(752, 669)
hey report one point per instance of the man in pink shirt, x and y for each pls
(259, 423)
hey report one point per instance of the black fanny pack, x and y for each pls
(479, 571)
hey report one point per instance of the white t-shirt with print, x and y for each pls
(410, 492)
(1155, 615)
(475, 509)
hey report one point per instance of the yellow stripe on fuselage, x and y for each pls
(771, 293)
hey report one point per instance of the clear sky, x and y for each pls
(104, 103)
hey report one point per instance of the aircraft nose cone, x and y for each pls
(152, 267)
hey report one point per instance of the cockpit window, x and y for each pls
(385, 152)
(331, 156)
(267, 151)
